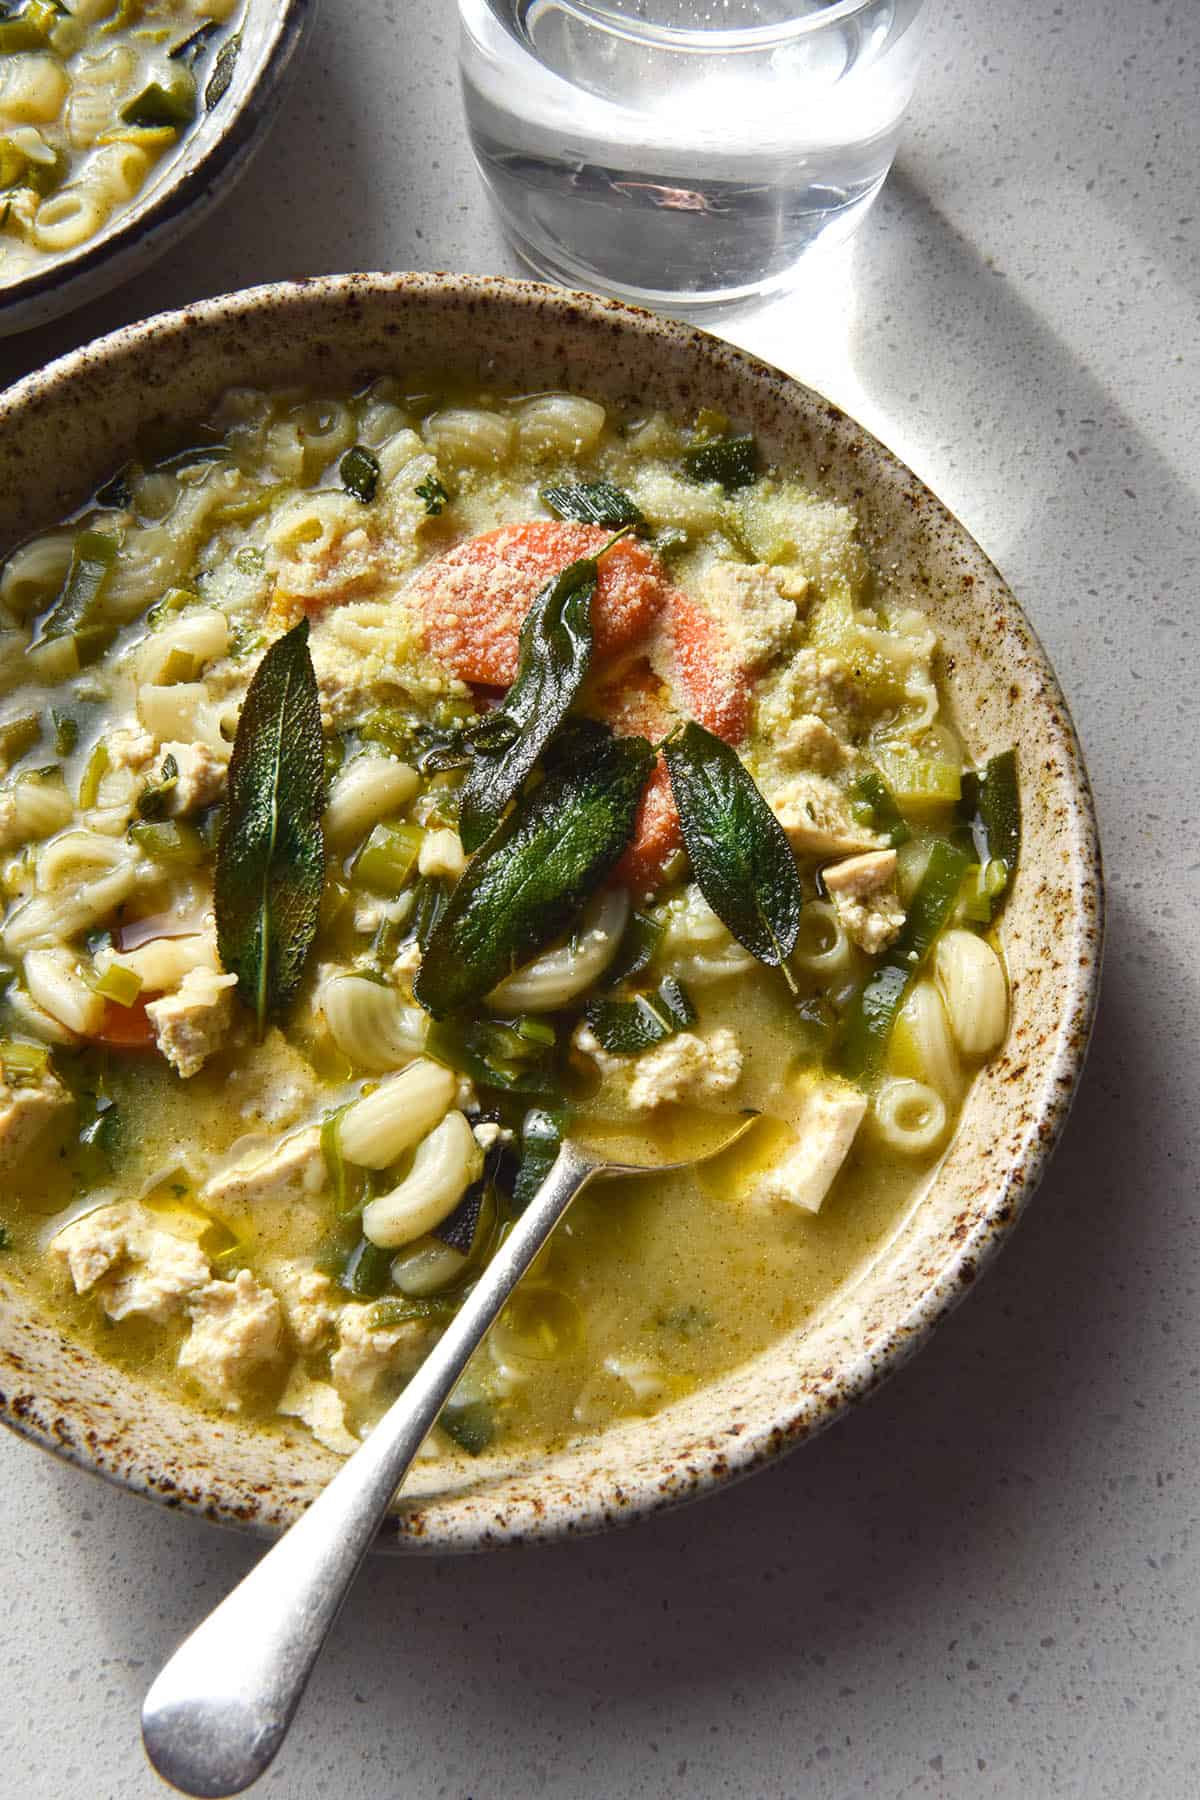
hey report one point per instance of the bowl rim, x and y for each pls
(137, 228)
(819, 1403)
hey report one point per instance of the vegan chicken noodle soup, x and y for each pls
(92, 97)
(395, 781)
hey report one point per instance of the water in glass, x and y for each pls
(684, 154)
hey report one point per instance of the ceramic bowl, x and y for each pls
(185, 185)
(61, 430)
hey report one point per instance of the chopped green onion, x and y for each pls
(733, 461)
(639, 941)
(171, 842)
(991, 806)
(359, 471)
(388, 857)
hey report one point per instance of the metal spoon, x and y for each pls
(221, 1707)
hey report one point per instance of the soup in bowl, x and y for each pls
(462, 715)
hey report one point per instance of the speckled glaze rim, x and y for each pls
(1003, 687)
(192, 184)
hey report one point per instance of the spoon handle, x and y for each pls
(220, 1708)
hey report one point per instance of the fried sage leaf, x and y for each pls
(529, 881)
(739, 853)
(359, 471)
(733, 461)
(270, 869)
(593, 503)
(625, 1027)
(555, 649)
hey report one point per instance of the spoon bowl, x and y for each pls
(215, 1717)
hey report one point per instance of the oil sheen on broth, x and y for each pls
(269, 1190)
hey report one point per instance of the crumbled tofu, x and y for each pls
(824, 1116)
(441, 853)
(816, 815)
(200, 781)
(319, 1406)
(236, 1337)
(684, 1067)
(809, 743)
(25, 1112)
(369, 1365)
(293, 1170)
(488, 1134)
(129, 747)
(135, 1266)
(192, 1023)
(755, 613)
(863, 889)
(308, 1302)
(406, 964)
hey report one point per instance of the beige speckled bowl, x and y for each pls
(61, 430)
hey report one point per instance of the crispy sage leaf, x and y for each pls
(529, 881)
(733, 461)
(223, 68)
(625, 1027)
(740, 855)
(270, 869)
(555, 649)
(593, 503)
(359, 470)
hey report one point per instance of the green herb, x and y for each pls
(359, 471)
(154, 800)
(66, 731)
(222, 75)
(19, 735)
(190, 49)
(593, 503)
(555, 650)
(541, 1140)
(470, 1425)
(991, 807)
(733, 461)
(626, 1027)
(368, 1270)
(529, 881)
(74, 610)
(873, 1013)
(874, 805)
(160, 104)
(494, 1055)
(433, 494)
(270, 867)
(430, 895)
(639, 940)
(739, 853)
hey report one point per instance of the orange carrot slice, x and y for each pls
(475, 597)
(126, 1027)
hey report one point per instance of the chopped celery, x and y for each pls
(493, 1054)
(23, 1062)
(120, 985)
(180, 665)
(388, 857)
(171, 842)
(19, 735)
(71, 616)
(983, 885)
(94, 772)
(391, 728)
(918, 781)
(348, 1184)
(536, 1031)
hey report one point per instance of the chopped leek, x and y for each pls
(23, 1063)
(171, 842)
(94, 772)
(388, 857)
(118, 984)
(19, 735)
(874, 805)
(919, 782)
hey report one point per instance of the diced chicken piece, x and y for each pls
(308, 1302)
(863, 889)
(816, 815)
(754, 607)
(129, 747)
(135, 1266)
(682, 1068)
(235, 1340)
(319, 1406)
(192, 1023)
(809, 743)
(200, 781)
(369, 1364)
(823, 1118)
(294, 1170)
(25, 1112)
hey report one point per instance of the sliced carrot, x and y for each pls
(126, 1027)
(476, 596)
(715, 684)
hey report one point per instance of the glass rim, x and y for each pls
(690, 40)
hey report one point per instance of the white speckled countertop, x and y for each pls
(984, 1583)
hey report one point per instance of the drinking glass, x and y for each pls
(685, 155)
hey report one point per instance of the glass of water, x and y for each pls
(684, 153)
